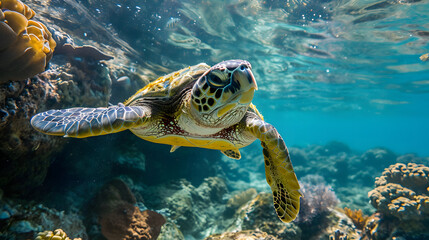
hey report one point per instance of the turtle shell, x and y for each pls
(170, 84)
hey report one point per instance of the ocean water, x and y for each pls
(346, 84)
(327, 70)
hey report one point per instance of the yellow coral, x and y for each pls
(58, 234)
(17, 6)
(26, 46)
(357, 216)
(402, 191)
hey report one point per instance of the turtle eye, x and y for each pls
(217, 78)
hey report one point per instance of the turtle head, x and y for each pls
(221, 96)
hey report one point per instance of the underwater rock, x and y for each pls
(242, 235)
(120, 218)
(62, 86)
(81, 83)
(238, 200)
(170, 231)
(25, 152)
(195, 210)
(26, 46)
(335, 224)
(402, 191)
(85, 51)
(259, 214)
(111, 194)
(26, 219)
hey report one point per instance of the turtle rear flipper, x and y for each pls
(278, 169)
(86, 122)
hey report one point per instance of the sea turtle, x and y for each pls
(198, 106)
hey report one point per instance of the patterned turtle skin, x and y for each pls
(199, 106)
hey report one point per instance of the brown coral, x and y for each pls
(58, 234)
(402, 191)
(120, 219)
(26, 46)
(357, 216)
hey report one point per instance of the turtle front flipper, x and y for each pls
(87, 122)
(278, 169)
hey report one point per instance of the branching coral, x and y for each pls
(26, 46)
(58, 234)
(402, 191)
(357, 216)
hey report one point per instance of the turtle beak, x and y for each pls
(249, 85)
(252, 81)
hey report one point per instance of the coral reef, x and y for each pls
(120, 219)
(338, 165)
(402, 192)
(26, 45)
(242, 235)
(401, 198)
(62, 86)
(25, 152)
(23, 220)
(58, 234)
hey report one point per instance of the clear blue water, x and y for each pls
(327, 70)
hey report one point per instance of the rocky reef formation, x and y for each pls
(195, 209)
(23, 220)
(119, 218)
(66, 85)
(26, 46)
